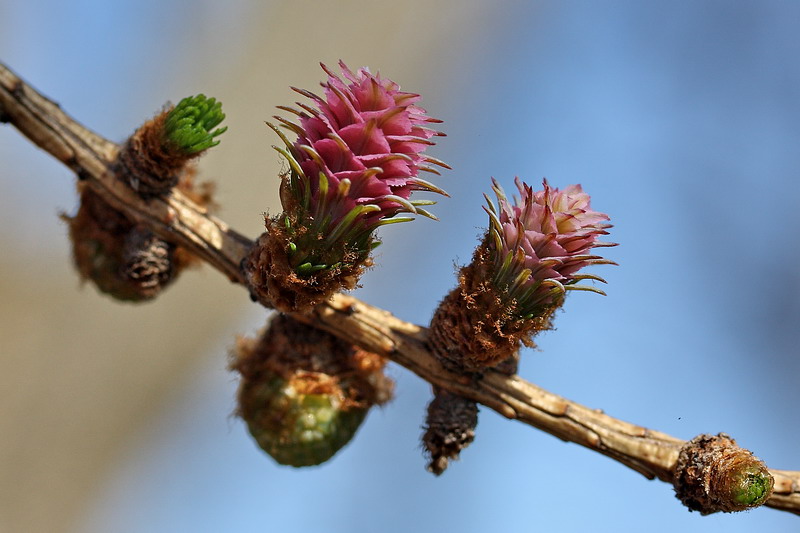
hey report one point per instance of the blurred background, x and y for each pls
(681, 119)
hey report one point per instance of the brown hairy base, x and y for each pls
(314, 361)
(711, 469)
(148, 163)
(274, 283)
(449, 428)
(474, 327)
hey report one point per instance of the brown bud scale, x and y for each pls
(149, 164)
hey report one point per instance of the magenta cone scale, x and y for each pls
(353, 167)
(540, 241)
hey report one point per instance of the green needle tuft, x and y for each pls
(188, 126)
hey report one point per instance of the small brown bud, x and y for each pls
(714, 474)
(450, 427)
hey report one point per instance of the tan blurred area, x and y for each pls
(81, 374)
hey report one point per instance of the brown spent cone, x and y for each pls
(147, 163)
(713, 474)
(449, 428)
(147, 261)
(273, 281)
(474, 327)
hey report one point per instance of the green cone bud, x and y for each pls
(304, 392)
(297, 428)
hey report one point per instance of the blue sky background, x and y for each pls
(681, 119)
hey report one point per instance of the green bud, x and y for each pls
(752, 486)
(296, 428)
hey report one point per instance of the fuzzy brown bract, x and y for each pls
(475, 326)
(274, 282)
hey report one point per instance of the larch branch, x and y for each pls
(179, 220)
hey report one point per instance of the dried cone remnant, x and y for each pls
(353, 167)
(304, 392)
(123, 260)
(714, 474)
(449, 428)
(519, 275)
(156, 155)
(148, 261)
